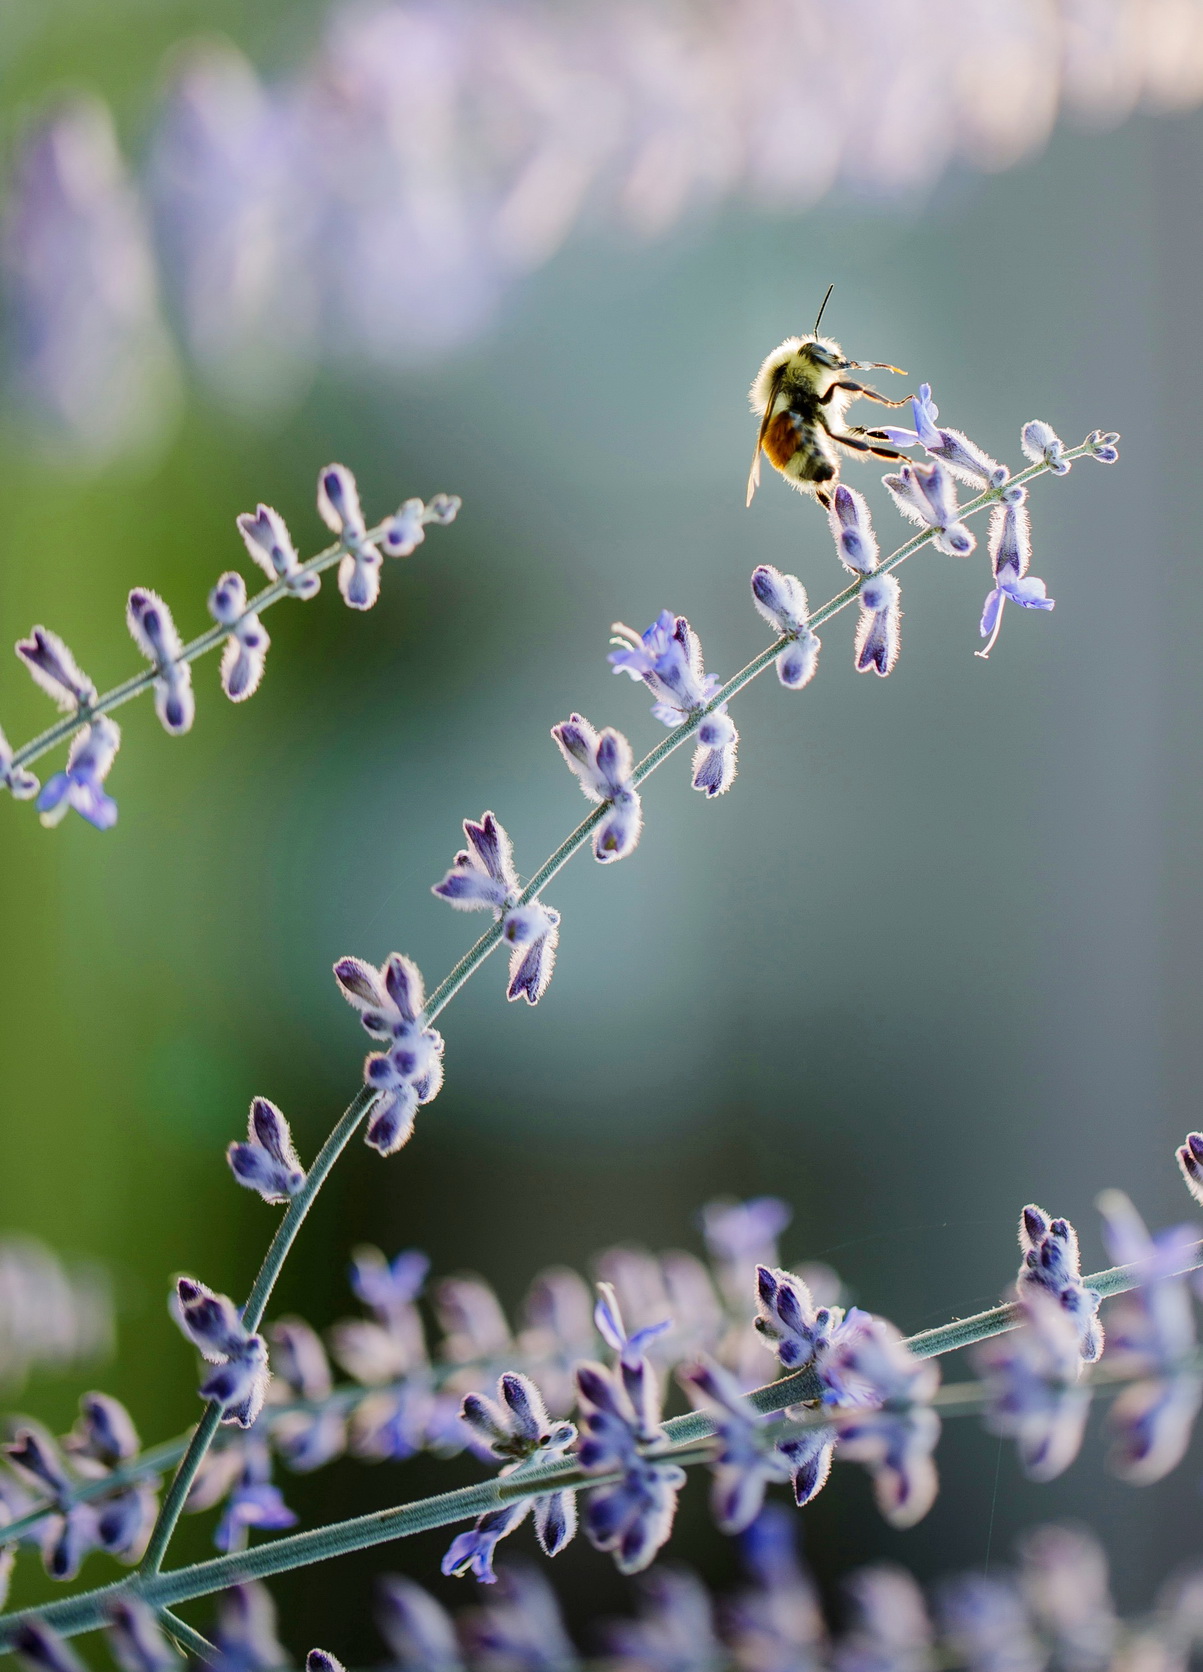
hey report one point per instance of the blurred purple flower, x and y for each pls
(81, 784)
(416, 1628)
(746, 1460)
(154, 632)
(633, 1517)
(253, 1502)
(1032, 1380)
(246, 648)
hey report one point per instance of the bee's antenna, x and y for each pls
(826, 299)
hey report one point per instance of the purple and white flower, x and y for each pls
(878, 628)
(1052, 1265)
(266, 537)
(154, 632)
(20, 784)
(603, 765)
(927, 495)
(267, 1162)
(1010, 554)
(391, 1003)
(632, 1518)
(1032, 1379)
(964, 458)
(338, 507)
(852, 529)
(1042, 444)
(55, 669)
(254, 1500)
(246, 648)
(405, 530)
(80, 786)
(482, 878)
(136, 1640)
(214, 1325)
(747, 1461)
(781, 600)
(668, 659)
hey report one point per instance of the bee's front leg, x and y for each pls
(863, 390)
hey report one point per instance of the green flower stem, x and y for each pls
(187, 1639)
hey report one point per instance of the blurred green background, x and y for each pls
(936, 955)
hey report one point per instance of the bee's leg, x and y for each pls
(823, 498)
(863, 390)
(879, 450)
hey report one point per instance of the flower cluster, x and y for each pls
(391, 1003)
(667, 657)
(213, 1324)
(1052, 1266)
(482, 878)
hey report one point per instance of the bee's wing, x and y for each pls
(754, 473)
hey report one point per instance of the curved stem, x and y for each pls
(188, 1639)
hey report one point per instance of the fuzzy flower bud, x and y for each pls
(877, 631)
(267, 1162)
(391, 1003)
(81, 784)
(154, 632)
(1103, 446)
(55, 669)
(926, 494)
(268, 541)
(603, 763)
(246, 648)
(714, 759)
(852, 528)
(1052, 1265)
(405, 530)
(781, 600)
(19, 783)
(338, 507)
(214, 1325)
(1043, 445)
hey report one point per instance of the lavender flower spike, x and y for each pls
(267, 1162)
(1032, 1377)
(964, 458)
(405, 530)
(603, 763)
(81, 784)
(338, 507)
(55, 669)
(154, 632)
(246, 648)
(925, 494)
(1010, 554)
(781, 600)
(633, 1517)
(267, 539)
(19, 783)
(1052, 1264)
(746, 1462)
(877, 631)
(852, 528)
(1042, 444)
(482, 878)
(391, 1003)
(214, 1325)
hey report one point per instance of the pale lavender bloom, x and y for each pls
(1043, 445)
(603, 764)
(1065, 1583)
(1190, 1161)
(246, 1630)
(338, 507)
(877, 630)
(214, 1325)
(1102, 446)
(668, 659)
(630, 1347)
(675, 1628)
(715, 758)
(1032, 1380)
(699, 1319)
(515, 1425)
(1052, 1263)
(634, 1517)
(391, 1002)
(39, 1647)
(743, 1235)
(267, 1162)
(1010, 554)
(136, 1640)
(266, 537)
(301, 1371)
(394, 1344)
(394, 1425)
(533, 930)
(852, 529)
(253, 1502)
(779, 1625)
(389, 1287)
(519, 1629)
(81, 784)
(416, 1628)
(781, 600)
(55, 669)
(927, 495)
(559, 1332)
(246, 648)
(964, 458)
(19, 783)
(892, 1632)
(154, 632)
(1152, 1337)
(866, 1363)
(482, 878)
(472, 1317)
(103, 1438)
(987, 1625)
(788, 1319)
(746, 1461)
(405, 530)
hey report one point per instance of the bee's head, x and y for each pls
(824, 352)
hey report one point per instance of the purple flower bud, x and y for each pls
(67, 1539)
(403, 532)
(338, 502)
(124, 1521)
(472, 1552)
(55, 669)
(359, 577)
(926, 495)
(254, 1500)
(40, 1647)
(246, 648)
(602, 763)
(799, 661)
(268, 541)
(668, 658)
(877, 631)
(1052, 1264)
(746, 1461)
(105, 1431)
(1190, 1160)
(1043, 445)
(321, 1660)
(391, 1122)
(20, 784)
(35, 1457)
(417, 1629)
(534, 932)
(482, 876)
(781, 599)
(852, 529)
(213, 1324)
(154, 632)
(1103, 447)
(715, 758)
(246, 1628)
(239, 1386)
(267, 1162)
(80, 786)
(136, 1640)
(633, 1517)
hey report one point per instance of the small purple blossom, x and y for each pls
(891, 1631)
(533, 930)
(246, 649)
(214, 1325)
(338, 507)
(668, 659)
(305, 1439)
(852, 529)
(1052, 1263)
(746, 1461)
(608, 1321)
(1034, 1396)
(253, 1502)
(781, 600)
(789, 1320)
(403, 532)
(926, 494)
(867, 1364)
(80, 786)
(603, 764)
(55, 669)
(1010, 554)
(391, 1002)
(1042, 444)
(1103, 446)
(877, 630)
(321, 1660)
(964, 458)
(154, 632)
(674, 1631)
(518, 1629)
(266, 537)
(267, 1162)
(1151, 1332)
(416, 1628)
(136, 1640)
(246, 1630)
(482, 878)
(632, 1518)
(19, 783)
(987, 1625)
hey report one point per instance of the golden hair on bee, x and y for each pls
(801, 394)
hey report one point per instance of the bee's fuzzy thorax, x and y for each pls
(762, 385)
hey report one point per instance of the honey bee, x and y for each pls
(801, 397)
